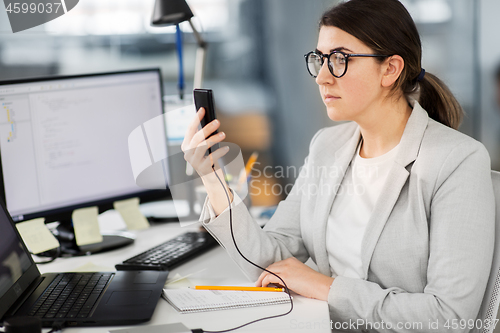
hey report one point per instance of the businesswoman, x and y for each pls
(395, 207)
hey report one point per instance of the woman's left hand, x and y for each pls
(298, 277)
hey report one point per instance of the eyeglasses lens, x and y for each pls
(314, 64)
(336, 64)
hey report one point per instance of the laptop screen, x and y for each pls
(14, 261)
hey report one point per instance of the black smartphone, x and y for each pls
(204, 98)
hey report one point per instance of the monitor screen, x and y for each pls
(64, 140)
(15, 261)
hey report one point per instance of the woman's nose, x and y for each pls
(324, 75)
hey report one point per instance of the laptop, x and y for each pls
(71, 299)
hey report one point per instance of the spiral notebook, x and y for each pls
(188, 300)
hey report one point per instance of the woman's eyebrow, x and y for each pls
(340, 48)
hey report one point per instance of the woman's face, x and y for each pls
(348, 97)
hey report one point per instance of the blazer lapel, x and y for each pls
(408, 151)
(328, 186)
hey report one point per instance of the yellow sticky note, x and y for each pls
(36, 236)
(129, 210)
(86, 226)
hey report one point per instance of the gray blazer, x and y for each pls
(428, 247)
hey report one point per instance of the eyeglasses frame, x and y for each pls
(346, 55)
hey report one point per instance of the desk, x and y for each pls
(308, 315)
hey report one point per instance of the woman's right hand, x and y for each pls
(196, 144)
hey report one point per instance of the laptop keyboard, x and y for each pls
(171, 253)
(71, 295)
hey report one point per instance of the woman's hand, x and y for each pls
(298, 277)
(195, 145)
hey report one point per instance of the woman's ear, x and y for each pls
(393, 66)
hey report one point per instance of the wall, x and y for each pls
(290, 31)
(490, 59)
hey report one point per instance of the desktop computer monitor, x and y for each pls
(64, 145)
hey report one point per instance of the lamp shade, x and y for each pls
(170, 12)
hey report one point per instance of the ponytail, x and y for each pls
(439, 102)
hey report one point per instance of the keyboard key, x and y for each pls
(70, 296)
(171, 253)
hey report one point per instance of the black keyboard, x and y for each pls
(171, 253)
(71, 295)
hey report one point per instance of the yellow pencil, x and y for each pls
(248, 169)
(251, 162)
(238, 288)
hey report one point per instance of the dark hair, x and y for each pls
(387, 28)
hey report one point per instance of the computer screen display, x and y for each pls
(64, 140)
(15, 261)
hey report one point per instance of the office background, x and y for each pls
(255, 63)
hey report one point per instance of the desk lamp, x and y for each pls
(170, 12)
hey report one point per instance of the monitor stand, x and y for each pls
(111, 240)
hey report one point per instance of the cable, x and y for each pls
(178, 43)
(56, 255)
(249, 261)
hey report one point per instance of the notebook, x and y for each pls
(188, 300)
(71, 299)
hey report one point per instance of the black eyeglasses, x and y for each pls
(337, 61)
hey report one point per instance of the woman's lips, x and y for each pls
(330, 98)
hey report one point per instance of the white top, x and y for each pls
(352, 209)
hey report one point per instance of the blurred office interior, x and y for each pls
(265, 98)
